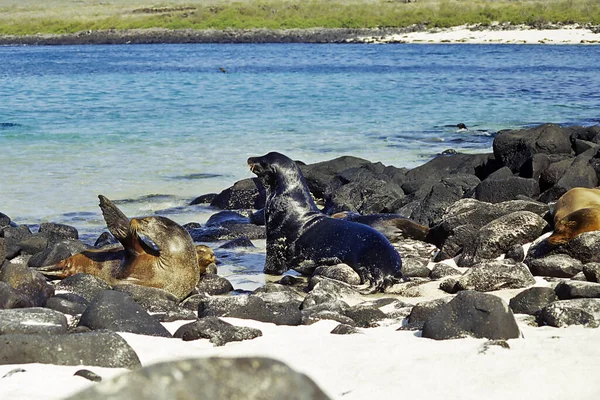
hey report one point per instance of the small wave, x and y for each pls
(197, 176)
(149, 198)
(184, 210)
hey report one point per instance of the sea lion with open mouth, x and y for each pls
(155, 252)
(299, 234)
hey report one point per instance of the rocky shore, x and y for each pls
(156, 36)
(496, 33)
(483, 269)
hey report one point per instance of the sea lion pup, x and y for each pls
(393, 226)
(206, 259)
(298, 233)
(577, 211)
(156, 252)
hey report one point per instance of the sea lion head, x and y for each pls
(162, 237)
(275, 170)
(580, 221)
(206, 258)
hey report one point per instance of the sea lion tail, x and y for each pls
(54, 270)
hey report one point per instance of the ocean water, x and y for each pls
(154, 126)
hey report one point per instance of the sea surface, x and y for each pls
(154, 126)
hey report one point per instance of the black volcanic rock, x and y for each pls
(247, 193)
(572, 312)
(566, 290)
(495, 275)
(85, 285)
(251, 378)
(505, 189)
(101, 349)
(532, 300)
(556, 265)
(319, 175)
(216, 330)
(32, 321)
(514, 147)
(27, 282)
(116, 311)
(472, 314)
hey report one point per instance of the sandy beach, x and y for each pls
(573, 34)
(377, 363)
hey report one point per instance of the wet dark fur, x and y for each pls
(299, 234)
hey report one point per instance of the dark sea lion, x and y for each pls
(576, 212)
(298, 233)
(393, 226)
(155, 252)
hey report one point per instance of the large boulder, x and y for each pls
(28, 282)
(500, 235)
(252, 378)
(480, 165)
(56, 252)
(492, 275)
(473, 214)
(556, 265)
(100, 349)
(13, 235)
(250, 307)
(362, 190)
(247, 193)
(431, 201)
(32, 321)
(11, 298)
(319, 175)
(566, 290)
(532, 300)
(472, 314)
(572, 312)
(505, 189)
(579, 173)
(116, 311)
(514, 147)
(85, 285)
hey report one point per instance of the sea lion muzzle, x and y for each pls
(255, 166)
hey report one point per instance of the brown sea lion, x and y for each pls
(393, 226)
(155, 252)
(206, 259)
(576, 212)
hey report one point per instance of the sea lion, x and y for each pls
(298, 233)
(577, 211)
(155, 252)
(206, 259)
(393, 226)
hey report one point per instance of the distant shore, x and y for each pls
(474, 34)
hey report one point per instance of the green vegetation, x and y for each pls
(26, 17)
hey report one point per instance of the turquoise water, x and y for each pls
(132, 121)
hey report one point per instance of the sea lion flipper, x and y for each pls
(116, 222)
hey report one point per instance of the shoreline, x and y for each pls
(464, 34)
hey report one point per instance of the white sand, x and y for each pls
(522, 35)
(381, 363)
